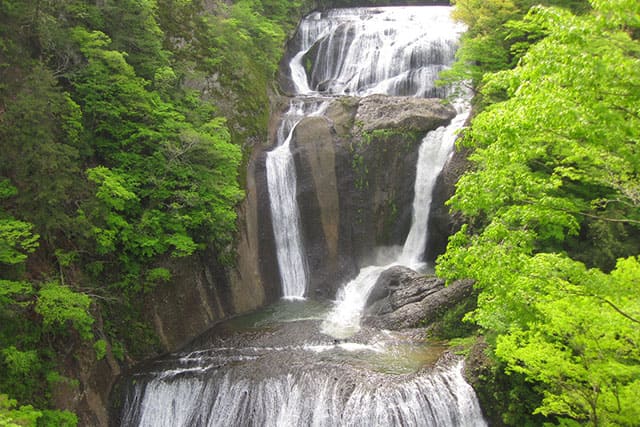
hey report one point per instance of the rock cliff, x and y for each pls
(356, 168)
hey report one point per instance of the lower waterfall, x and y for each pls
(278, 370)
(441, 397)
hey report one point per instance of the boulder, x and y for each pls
(390, 281)
(402, 298)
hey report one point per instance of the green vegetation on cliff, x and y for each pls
(121, 128)
(553, 205)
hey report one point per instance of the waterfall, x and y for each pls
(439, 398)
(281, 180)
(359, 51)
(435, 149)
(300, 362)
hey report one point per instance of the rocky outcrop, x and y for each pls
(396, 287)
(315, 154)
(198, 295)
(88, 393)
(256, 269)
(402, 298)
(401, 112)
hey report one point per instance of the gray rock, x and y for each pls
(402, 112)
(313, 150)
(402, 298)
(390, 281)
(341, 113)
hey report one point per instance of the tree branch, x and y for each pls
(612, 305)
(588, 215)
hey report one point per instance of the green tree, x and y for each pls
(40, 132)
(17, 417)
(133, 27)
(33, 318)
(492, 42)
(164, 182)
(582, 343)
(556, 175)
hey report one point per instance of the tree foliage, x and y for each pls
(121, 126)
(552, 203)
(496, 39)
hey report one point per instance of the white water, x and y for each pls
(396, 51)
(285, 215)
(437, 146)
(390, 50)
(436, 149)
(438, 398)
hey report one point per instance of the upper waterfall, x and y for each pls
(390, 50)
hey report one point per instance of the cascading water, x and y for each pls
(279, 371)
(330, 397)
(290, 365)
(435, 150)
(394, 51)
(281, 179)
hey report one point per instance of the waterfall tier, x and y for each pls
(393, 50)
(438, 398)
(282, 372)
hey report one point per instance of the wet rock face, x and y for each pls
(197, 296)
(356, 169)
(317, 187)
(397, 287)
(402, 298)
